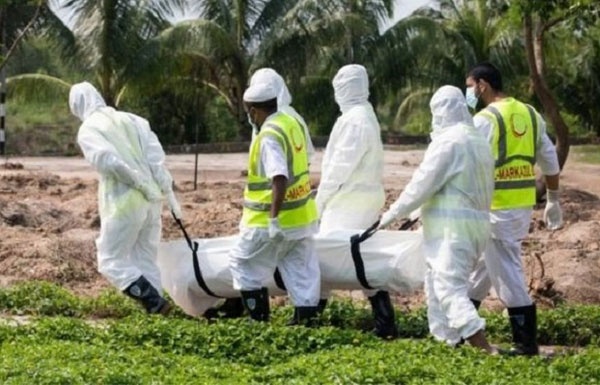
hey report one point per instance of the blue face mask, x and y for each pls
(472, 99)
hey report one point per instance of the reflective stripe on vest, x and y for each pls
(514, 145)
(283, 140)
(298, 207)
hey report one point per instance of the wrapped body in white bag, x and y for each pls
(390, 260)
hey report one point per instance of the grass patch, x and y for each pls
(66, 362)
(41, 129)
(155, 350)
(65, 342)
(565, 325)
(589, 153)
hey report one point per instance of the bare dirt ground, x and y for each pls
(49, 221)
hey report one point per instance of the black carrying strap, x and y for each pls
(359, 265)
(355, 242)
(408, 224)
(278, 280)
(194, 247)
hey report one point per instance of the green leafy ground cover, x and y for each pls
(108, 340)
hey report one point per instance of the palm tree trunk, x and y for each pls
(240, 26)
(106, 68)
(535, 60)
(2, 84)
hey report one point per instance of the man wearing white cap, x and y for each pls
(233, 307)
(279, 216)
(284, 100)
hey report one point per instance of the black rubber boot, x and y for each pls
(142, 291)
(322, 305)
(523, 321)
(231, 308)
(385, 318)
(257, 303)
(320, 309)
(305, 315)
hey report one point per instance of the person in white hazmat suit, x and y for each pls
(350, 194)
(279, 216)
(519, 141)
(233, 307)
(453, 187)
(133, 179)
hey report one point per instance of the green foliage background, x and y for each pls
(187, 78)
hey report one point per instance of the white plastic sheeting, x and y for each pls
(393, 261)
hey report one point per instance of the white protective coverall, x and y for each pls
(130, 161)
(284, 101)
(453, 186)
(503, 254)
(351, 194)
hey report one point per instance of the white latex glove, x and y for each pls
(150, 191)
(174, 205)
(274, 229)
(387, 218)
(552, 212)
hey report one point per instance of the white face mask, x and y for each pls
(252, 124)
(472, 99)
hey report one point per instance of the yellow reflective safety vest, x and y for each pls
(298, 208)
(513, 144)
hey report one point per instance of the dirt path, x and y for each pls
(582, 176)
(399, 165)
